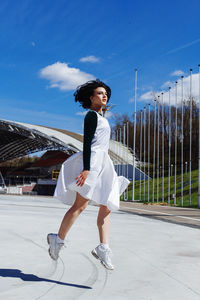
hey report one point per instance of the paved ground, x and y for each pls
(177, 215)
(154, 260)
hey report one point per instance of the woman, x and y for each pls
(89, 174)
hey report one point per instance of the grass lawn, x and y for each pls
(143, 197)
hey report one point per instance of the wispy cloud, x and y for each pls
(45, 118)
(41, 115)
(90, 58)
(147, 96)
(131, 100)
(81, 113)
(63, 77)
(166, 84)
(109, 114)
(177, 73)
(33, 44)
(183, 46)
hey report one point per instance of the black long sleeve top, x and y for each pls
(90, 125)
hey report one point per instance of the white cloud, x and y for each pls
(186, 91)
(33, 44)
(63, 77)
(90, 58)
(177, 73)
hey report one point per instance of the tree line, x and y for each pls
(119, 120)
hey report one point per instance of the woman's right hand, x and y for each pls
(82, 177)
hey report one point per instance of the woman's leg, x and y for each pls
(72, 214)
(103, 223)
(103, 251)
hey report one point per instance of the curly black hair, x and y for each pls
(85, 91)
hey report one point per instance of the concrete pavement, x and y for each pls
(154, 260)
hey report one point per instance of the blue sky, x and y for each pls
(47, 48)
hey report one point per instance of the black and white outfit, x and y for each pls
(102, 185)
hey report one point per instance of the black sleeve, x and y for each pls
(90, 125)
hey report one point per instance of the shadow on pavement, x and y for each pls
(31, 277)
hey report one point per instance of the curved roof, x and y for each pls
(18, 139)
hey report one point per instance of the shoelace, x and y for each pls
(61, 246)
(108, 253)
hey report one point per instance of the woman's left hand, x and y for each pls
(82, 177)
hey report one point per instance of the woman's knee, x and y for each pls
(104, 212)
(78, 208)
(80, 204)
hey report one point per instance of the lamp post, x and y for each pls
(154, 147)
(175, 154)
(144, 147)
(163, 147)
(182, 140)
(158, 133)
(190, 159)
(169, 145)
(140, 151)
(148, 148)
(134, 135)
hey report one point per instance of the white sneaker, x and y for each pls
(104, 255)
(54, 246)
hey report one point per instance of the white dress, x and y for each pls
(102, 185)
